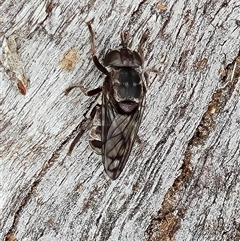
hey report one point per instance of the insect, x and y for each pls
(116, 121)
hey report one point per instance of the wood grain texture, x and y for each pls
(181, 182)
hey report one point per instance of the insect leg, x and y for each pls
(146, 75)
(85, 92)
(142, 41)
(74, 142)
(83, 127)
(125, 38)
(94, 57)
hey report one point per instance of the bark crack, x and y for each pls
(138, 10)
(34, 185)
(46, 166)
(164, 226)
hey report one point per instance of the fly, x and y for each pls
(116, 121)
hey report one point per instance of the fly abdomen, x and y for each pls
(95, 135)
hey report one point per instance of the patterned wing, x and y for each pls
(118, 135)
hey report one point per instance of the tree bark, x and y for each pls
(181, 181)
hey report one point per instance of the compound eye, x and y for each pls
(137, 58)
(112, 58)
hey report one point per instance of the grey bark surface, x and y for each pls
(181, 181)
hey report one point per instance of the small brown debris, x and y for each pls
(69, 59)
(162, 6)
(22, 87)
(13, 65)
(10, 237)
(200, 63)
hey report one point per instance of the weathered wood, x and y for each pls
(180, 183)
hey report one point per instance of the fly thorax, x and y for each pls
(127, 89)
(128, 85)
